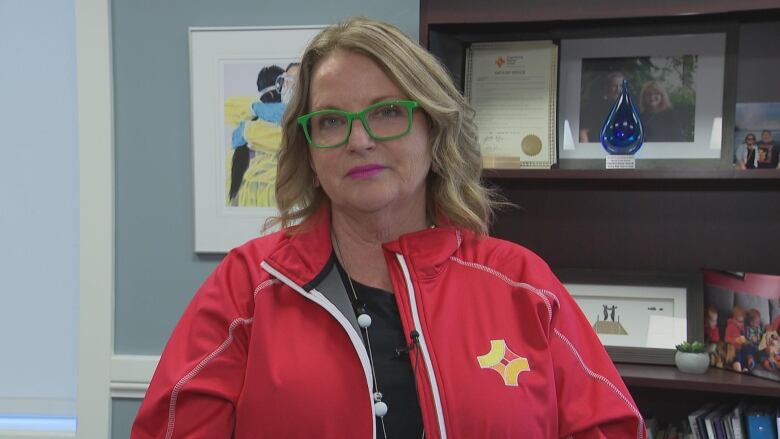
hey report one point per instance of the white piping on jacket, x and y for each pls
(263, 285)
(543, 295)
(357, 342)
(424, 347)
(187, 378)
(641, 429)
(214, 354)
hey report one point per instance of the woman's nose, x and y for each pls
(359, 139)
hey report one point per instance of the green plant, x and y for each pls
(695, 347)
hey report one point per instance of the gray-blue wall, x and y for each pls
(122, 415)
(157, 271)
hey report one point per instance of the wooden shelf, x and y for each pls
(501, 11)
(503, 15)
(715, 380)
(634, 174)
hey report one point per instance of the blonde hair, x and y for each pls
(454, 188)
(656, 86)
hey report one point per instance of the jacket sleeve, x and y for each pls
(593, 401)
(198, 380)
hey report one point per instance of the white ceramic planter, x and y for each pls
(692, 363)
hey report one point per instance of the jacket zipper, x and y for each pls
(424, 347)
(357, 342)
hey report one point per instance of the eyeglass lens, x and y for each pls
(385, 121)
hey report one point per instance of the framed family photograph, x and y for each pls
(639, 317)
(741, 322)
(675, 81)
(757, 135)
(241, 80)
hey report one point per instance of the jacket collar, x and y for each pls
(427, 250)
(304, 256)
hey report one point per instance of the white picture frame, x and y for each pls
(654, 317)
(683, 289)
(213, 52)
(709, 50)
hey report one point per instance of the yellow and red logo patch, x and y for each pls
(505, 362)
(500, 61)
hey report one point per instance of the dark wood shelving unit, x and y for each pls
(486, 16)
(635, 174)
(714, 381)
(662, 220)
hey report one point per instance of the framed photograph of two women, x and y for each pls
(241, 80)
(676, 83)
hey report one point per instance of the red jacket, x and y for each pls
(269, 348)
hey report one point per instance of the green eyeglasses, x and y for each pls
(386, 120)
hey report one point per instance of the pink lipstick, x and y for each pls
(364, 171)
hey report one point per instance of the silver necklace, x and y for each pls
(364, 321)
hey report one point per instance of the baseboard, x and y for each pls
(130, 375)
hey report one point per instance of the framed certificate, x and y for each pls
(512, 86)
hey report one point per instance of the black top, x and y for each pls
(393, 371)
(768, 155)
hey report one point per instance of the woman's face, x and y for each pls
(654, 99)
(367, 175)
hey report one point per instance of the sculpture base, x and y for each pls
(621, 162)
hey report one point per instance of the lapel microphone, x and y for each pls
(415, 336)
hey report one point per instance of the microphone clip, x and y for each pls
(415, 336)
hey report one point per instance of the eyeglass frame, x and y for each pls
(409, 104)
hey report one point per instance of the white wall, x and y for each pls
(39, 207)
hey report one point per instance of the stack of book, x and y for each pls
(743, 421)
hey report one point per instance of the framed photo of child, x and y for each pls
(741, 322)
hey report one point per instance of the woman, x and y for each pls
(387, 312)
(659, 120)
(746, 153)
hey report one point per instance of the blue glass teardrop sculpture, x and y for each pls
(622, 133)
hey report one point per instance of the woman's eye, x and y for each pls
(389, 111)
(331, 122)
